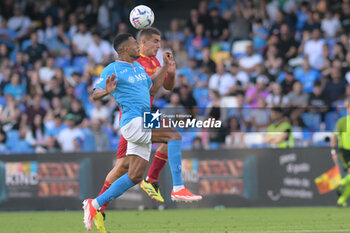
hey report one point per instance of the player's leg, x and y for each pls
(150, 184)
(138, 159)
(174, 141)
(158, 163)
(138, 148)
(120, 168)
(345, 182)
(137, 166)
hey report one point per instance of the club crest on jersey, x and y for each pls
(131, 79)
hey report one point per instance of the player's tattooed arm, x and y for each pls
(111, 83)
(158, 77)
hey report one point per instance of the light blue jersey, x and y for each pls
(132, 90)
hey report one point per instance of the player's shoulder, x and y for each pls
(155, 60)
(137, 64)
(109, 67)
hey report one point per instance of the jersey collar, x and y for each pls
(142, 55)
(124, 62)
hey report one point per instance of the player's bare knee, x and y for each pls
(122, 166)
(135, 177)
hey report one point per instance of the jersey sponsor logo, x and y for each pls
(123, 71)
(137, 77)
(149, 70)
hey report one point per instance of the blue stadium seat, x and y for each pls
(89, 141)
(69, 70)
(330, 120)
(306, 134)
(312, 121)
(113, 143)
(23, 146)
(80, 63)
(214, 145)
(160, 103)
(12, 139)
(62, 62)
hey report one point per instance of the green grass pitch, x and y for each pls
(239, 220)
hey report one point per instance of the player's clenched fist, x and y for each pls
(167, 57)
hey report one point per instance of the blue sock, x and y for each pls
(117, 188)
(174, 158)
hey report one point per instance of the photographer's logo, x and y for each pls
(151, 120)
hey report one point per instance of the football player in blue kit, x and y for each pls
(126, 80)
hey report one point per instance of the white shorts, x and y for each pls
(138, 138)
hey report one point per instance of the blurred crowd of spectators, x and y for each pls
(237, 61)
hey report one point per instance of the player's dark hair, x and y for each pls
(119, 40)
(148, 32)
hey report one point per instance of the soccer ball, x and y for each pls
(141, 17)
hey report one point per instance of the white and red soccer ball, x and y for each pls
(141, 17)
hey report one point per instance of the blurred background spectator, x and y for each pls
(236, 60)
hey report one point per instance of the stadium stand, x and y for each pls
(300, 45)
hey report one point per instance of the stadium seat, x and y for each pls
(330, 120)
(89, 141)
(22, 146)
(160, 103)
(219, 57)
(321, 138)
(239, 48)
(69, 70)
(229, 102)
(214, 145)
(12, 139)
(114, 142)
(253, 139)
(80, 63)
(62, 62)
(312, 121)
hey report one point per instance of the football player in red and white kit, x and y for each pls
(149, 42)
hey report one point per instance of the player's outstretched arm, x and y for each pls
(111, 83)
(158, 77)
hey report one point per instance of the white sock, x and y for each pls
(95, 204)
(177, 188)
